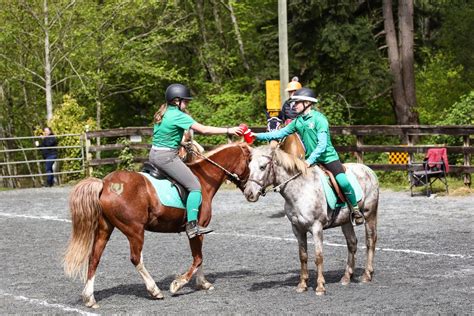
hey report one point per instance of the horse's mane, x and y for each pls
(290, 163)
(220, 148)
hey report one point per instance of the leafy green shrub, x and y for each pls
(70, 118)
(439, 84)
(228, 108)
(126, 156)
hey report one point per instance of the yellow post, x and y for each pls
(272, 89)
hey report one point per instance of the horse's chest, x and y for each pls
(299, 219)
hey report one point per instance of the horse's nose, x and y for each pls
(250, 196)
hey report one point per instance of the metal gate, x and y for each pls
(21, 162)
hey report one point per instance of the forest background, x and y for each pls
(77, 64)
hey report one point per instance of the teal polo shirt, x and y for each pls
(169, 132)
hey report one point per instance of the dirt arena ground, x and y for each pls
(424, 262)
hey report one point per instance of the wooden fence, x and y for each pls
(407, 136)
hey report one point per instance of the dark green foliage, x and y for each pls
(117, 58)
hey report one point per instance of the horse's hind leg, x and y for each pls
(351, 241)
(303, 253)
(136, 246)
(102, 235)
(371, 240)
(201, 281)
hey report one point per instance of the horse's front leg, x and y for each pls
(317, 230)
(351, 241)
(300, 234)
(182, 280)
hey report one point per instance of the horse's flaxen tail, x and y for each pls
(85, 210)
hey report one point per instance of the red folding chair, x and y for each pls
(434, 167)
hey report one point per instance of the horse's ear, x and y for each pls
(274, 144)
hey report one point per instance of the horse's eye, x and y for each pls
(262, 168)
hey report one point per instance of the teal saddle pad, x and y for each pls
(331, 196)
(166, 191)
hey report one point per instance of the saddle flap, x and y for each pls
(333, 183)
(156, 173)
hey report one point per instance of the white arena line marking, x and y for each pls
(49, 218)
(418, 252)
(46, 304)
(342, 245)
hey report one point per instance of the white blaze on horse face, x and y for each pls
(259, 167)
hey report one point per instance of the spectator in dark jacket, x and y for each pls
(50, 153)
(288, 113)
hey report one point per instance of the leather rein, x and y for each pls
(233, 177)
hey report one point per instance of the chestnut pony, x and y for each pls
(128, 201)
(292, 145)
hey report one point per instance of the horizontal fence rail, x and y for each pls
(407, 132)
(99, 148)
(19, 158)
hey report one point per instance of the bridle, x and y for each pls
(271, 175)
(233, 177)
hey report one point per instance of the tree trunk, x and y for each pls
(217, 19)
(238, 36)
(47, 65)
(405, 11)
(402, 107)
(205, 48)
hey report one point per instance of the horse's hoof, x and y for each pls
(366, 278)
(90, 302)
(301, 289)
(320, 291)
(156, 293)
(345, 280)
(205, 286)
(176, 285)
(92, 305)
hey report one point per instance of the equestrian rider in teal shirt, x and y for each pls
(171, 121)
(313, 128)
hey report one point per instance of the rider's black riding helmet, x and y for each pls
(177, 90)
(304, 94)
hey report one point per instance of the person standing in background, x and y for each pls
(288, 112)
(50, 153)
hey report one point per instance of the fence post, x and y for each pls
(88, 155)
(409, 139)
(467, 160)
(359, 154)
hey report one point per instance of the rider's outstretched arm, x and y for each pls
(278, 134)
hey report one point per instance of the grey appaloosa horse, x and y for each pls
(307, 209)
